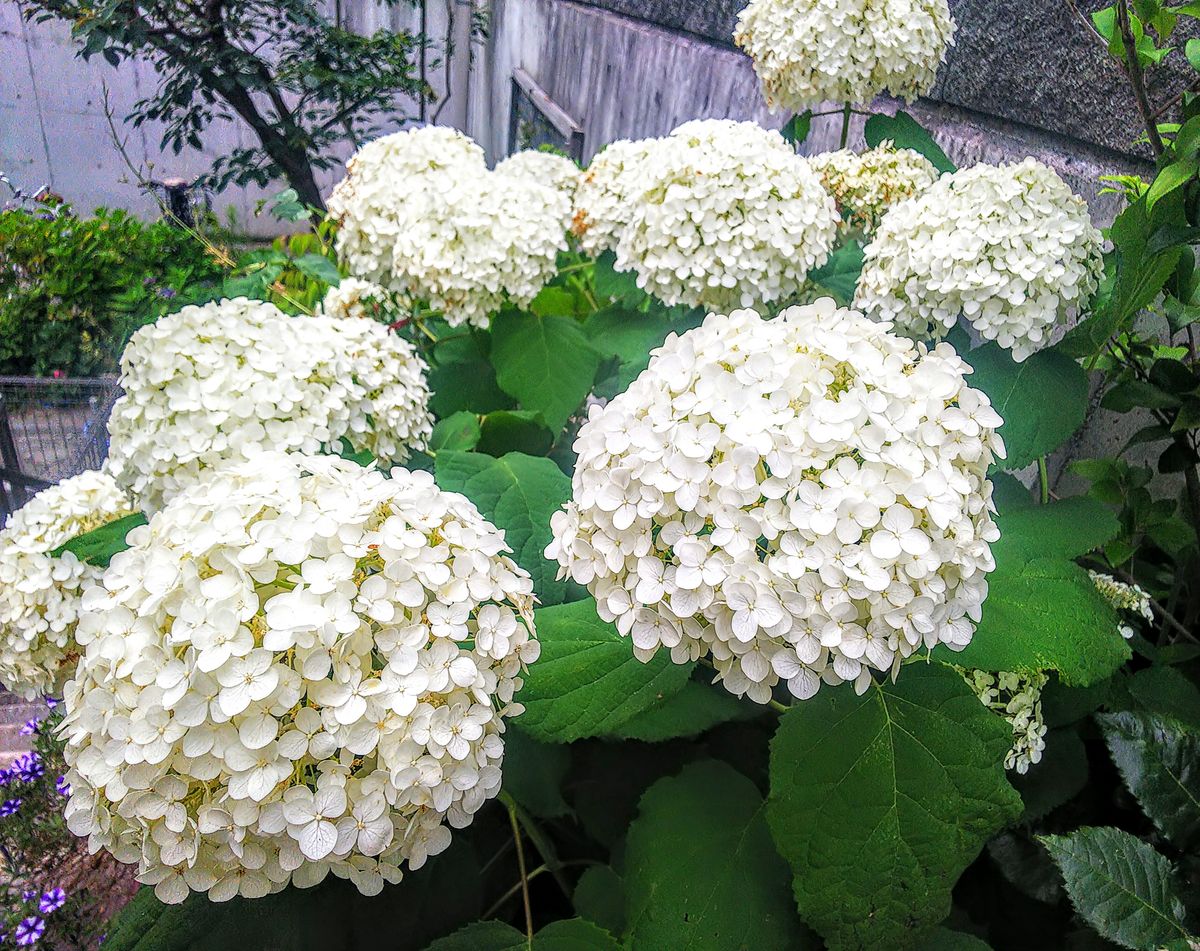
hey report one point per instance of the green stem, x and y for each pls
(516, 831)
(777, 706)
(1044, 480)
(846, 113)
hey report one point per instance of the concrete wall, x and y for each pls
(53, 130)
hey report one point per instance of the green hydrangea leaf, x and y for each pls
(839, 275)
(906, 133)
(547, 363)
(534, 771)
(1167, 692)
(702, 873)
(517, 493)
(573, 934)
(99, 545)
(458, 432)
(879, 802)
(1120, 885)
(587, 681)
(1023, 393)
(599, 897)
(514, 430)
(696, 708)
(629, 335)
(1159, 761)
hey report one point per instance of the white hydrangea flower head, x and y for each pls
(547, 168)
(355, 299)
(1017, 698)
(807, 52)
(420, 214)
(1130, 600)
(39, 593)
(725, 214)
(222, 382)
(803, 499)
(473, 242)
(602, 197)
(299, 667)
(866, 184)
(1008, 247)
(381, 177)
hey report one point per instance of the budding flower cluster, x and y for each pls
(807, 52)
(866, 184)
(1008, 247)
(354, 299)
(299, 667)
(803, 499)
(1017, 698)
(1130, 600)
(39, 593)
(214, 384)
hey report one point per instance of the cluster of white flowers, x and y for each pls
(548, 168)
(225, 381)
(1008, 247)
(718, 214)
(1017, 698)
(866, 184)
(420, 213)
(604, 193)
(299, 667)
(354, 299)
(39, 593)
(806, 52)
(1129, 599)
(804, 499)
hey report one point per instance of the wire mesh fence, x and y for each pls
(50, 430)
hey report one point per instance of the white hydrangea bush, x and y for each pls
(225, 381)
(803, 499)
(420, 214)
(39, 592)
(866, 184)
(299, 667)
(723, 214)
(807, 52)
(1017, 698)
(548, 168)
(1008, 247)
(356, 299)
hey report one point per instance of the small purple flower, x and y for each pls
(62, 787)
(10, 806)
(30, 931)
(166, 293)
(28, 895)
(52, 901)
(6, 776)
(28, 767)
(30, 727)
(51, 703)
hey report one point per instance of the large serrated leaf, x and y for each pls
(712, 889)
(517, 493)
(879, 802)
(1023, 393)
(1120, 885)
(906, 133)
(587, 681)
(696, 708)
(1160, 763)
(547, 363)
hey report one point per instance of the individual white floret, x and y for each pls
(803, 499)
(214, 384)
(1008, 247)
(299, 667)
(807, 52)
(39, 592)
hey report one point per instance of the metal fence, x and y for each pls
(50, 430)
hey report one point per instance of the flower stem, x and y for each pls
(777, 706)
(1044, 480)
(516, 830)
(846, 113)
